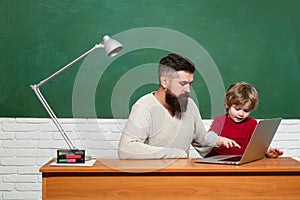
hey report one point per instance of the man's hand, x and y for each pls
(227, 142)
(274, 153)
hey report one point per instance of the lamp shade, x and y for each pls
(111, 46)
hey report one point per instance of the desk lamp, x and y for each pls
(73, 155)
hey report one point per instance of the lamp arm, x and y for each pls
(53, 116)
(97, 46)
(45, 103)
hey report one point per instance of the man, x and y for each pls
(164, 124)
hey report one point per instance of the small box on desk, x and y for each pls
(70, 156)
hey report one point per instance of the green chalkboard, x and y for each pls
(229, 40)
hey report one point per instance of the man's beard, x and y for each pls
(177, 104)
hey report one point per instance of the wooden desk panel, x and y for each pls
(173, 179)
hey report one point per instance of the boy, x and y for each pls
(240, 100)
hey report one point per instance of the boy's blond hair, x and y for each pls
(241, 93)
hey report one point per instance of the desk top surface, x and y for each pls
(106, 165)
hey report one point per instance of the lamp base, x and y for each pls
(70, 156)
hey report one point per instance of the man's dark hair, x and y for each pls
(175, 62)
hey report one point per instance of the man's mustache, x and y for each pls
(185, 95)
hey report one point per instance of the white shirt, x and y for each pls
(152, 133)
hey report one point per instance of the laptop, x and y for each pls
(256, 148)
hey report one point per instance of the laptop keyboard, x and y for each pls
(235, 158)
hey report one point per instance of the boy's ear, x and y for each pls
(225, 102)
(226, 106)
(164, 81)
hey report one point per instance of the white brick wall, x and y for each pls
(27, 143)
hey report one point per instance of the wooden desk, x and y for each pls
(173, 179)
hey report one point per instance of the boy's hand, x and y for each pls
(227, 142)
(274, 153)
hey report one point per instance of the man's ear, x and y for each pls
(164, 81)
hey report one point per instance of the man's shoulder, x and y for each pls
(192, 103)
(192, 108)
(146, 98)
